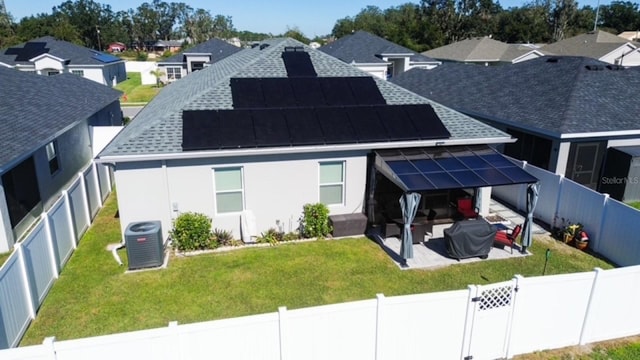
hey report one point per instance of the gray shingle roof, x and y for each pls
(365, 48)
(157, 129)
(74, 54)
(555, 98)
(218, 49)
(481, 49)
(594, 45)
(34, 109)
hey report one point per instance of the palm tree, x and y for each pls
(158, 74)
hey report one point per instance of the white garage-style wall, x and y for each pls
(275, 188)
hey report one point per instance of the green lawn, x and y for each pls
(93, 296)
(4, 257)
(134, 90)
(635, 204)
(621, 349)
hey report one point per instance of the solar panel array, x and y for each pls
(29, 51)
(105, 58)
(279, 127)
(298, 63)
(250, 93)
(445, 168)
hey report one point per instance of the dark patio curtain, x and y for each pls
(409, 204)
(532, 200)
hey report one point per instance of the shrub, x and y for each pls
(290, 236)
(192, 231)
(223, 237)
(142, 56)
(271, 236)
(315, 220)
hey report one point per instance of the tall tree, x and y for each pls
(620, 16)
(563, 12)
(295, 33)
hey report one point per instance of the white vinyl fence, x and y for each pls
(613, 227)
(483, 322)
(30, 271)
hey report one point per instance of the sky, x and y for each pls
(313, 18)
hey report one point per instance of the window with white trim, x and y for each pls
(52, 72)
(174, 73)
(78, 72)
(229, 188)
(332, 183)
(52, 156)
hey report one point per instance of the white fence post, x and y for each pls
(519, 279)
(50, 342)
(468, 322)
(380, 301)
(52, 253)
(559, 195)
(585, 323)
(85, 197)
(96, 182)
(282, 327)
(603, 220)
(72, 230)
(25, 278)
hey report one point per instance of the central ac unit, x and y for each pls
(145, 247)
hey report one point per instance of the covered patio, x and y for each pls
(416, 193)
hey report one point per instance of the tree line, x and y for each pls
(434, 23)
(91, 24)
(419, 26)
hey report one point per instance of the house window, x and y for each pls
(229, 190)
(52, 157)
(21, 190)
(197, 65)
(52, 72)
(78, 72)
(174, 73)
(332, 183)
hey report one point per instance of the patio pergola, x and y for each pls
(447, 168)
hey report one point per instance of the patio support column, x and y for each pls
(483, 200)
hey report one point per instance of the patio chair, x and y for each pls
(508, 237)
(465, 208)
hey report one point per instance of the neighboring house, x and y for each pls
(375, 55)
(255, 136)
(48, 56)
(565, 111)
(195, 58)
(167, 45)
(599, 45)
(630, 35)
(116, 47)
(46, 140)
(484, 51)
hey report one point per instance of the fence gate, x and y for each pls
(491, 309)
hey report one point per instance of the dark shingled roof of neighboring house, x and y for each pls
(157, 129)
(35, 109)
(219, 50)
(74, 54)
(364, 48)
(552, 95)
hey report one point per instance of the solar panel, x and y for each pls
(304, 127)
(336, 91)
(199, 130)
(270, 127)
(365, 90)
(236, 129)
(366, 124)
(28, 51)
(335, 125)
(298, 64)
(399, 126)
(277, 92)
(416, 181)
(246, 93)
(307, 92)
(105, 58)
(426, 122)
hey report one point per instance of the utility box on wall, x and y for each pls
(144, 244)
(621, 173)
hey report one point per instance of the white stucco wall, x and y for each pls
(45, 63)
(615, 56)
(95, 74)
(275, 188)
(144, 68)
